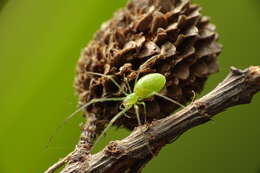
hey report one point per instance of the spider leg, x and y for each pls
(145, 111)
(117, 116)
(193, 100)
(139, 123)
(125, 114)
(77, 111)
(128, 85)
(136, 79)
(93, 101)
(137, 115)
(169, 99)
(193, 97)
(111, 78)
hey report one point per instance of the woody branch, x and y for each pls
(131, 154)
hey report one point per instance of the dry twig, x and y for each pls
(131, 154)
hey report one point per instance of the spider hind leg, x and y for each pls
(169, 99)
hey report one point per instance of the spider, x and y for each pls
(145, 87)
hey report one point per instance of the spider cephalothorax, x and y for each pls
(169, 37)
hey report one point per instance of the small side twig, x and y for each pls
(131, 154)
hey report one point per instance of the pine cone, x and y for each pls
(170, 37)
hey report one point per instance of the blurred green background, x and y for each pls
(40, 42)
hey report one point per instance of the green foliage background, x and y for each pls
(40, 42)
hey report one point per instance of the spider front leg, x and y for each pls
(77, 111)
(116, 117)
(91, 102)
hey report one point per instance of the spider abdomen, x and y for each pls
(149, 84)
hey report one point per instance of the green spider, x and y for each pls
(145, 87)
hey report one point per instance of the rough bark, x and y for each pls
(132, 153)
